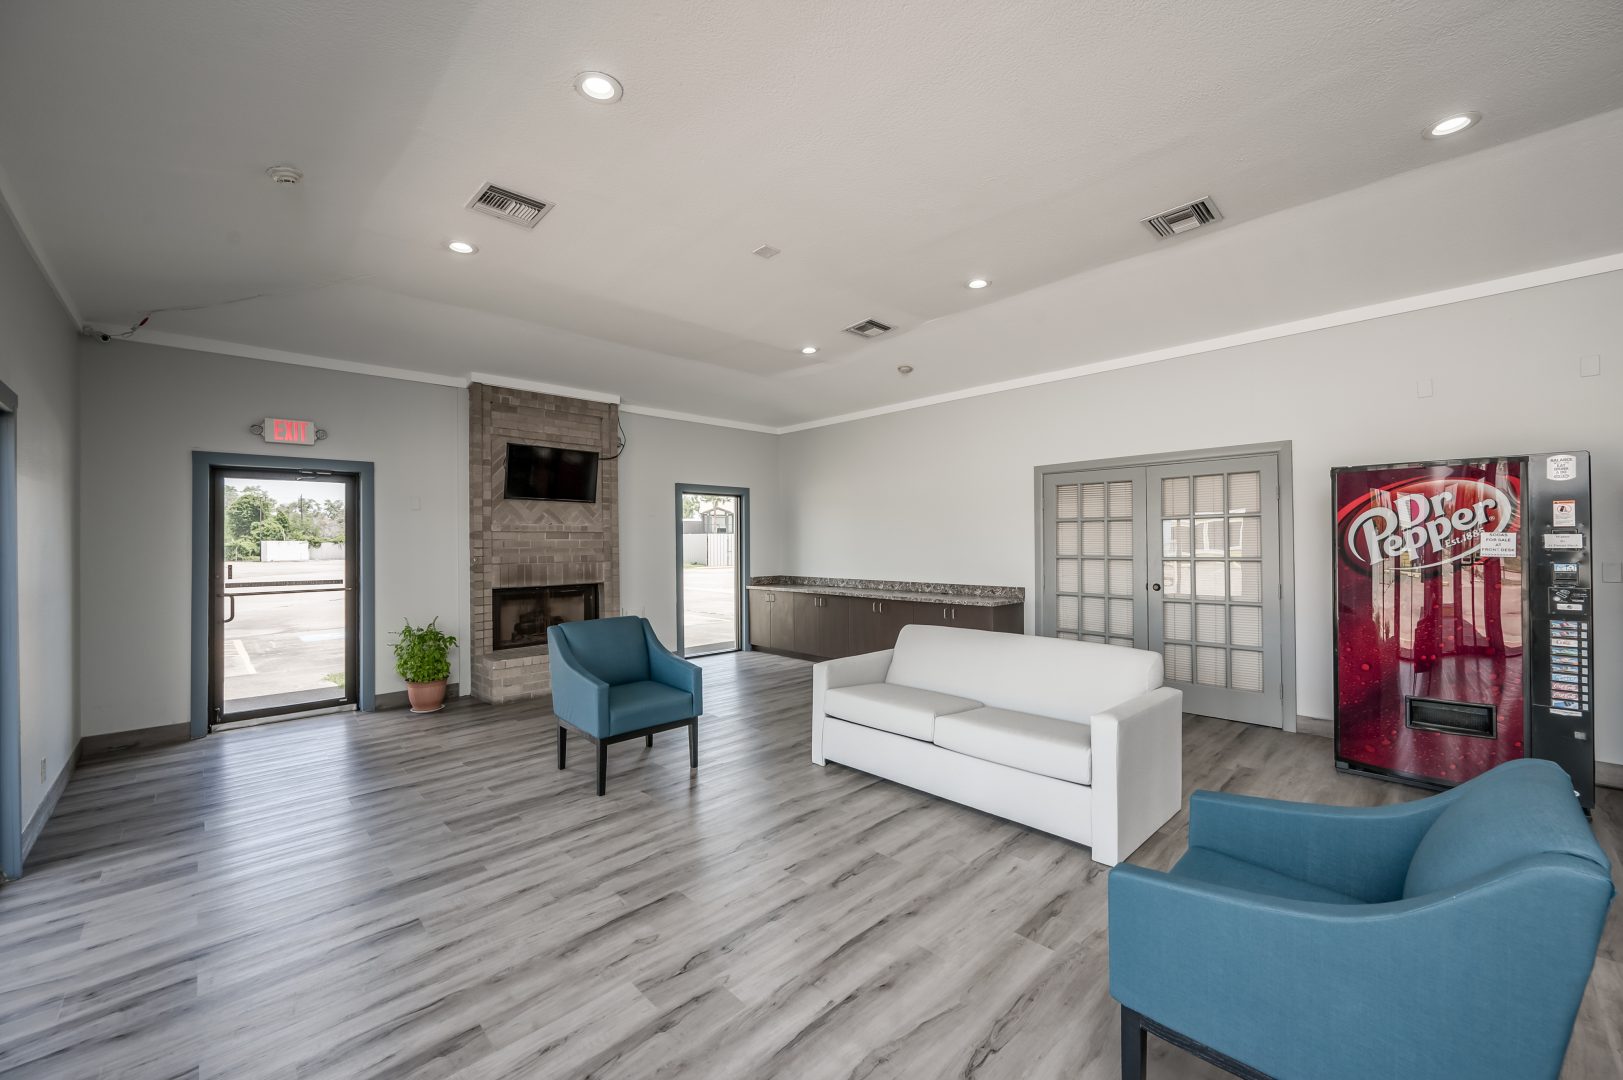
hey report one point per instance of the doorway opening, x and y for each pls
(712, 564)
(284, 569)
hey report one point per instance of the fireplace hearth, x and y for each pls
(520, 616)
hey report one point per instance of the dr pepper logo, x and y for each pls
(1434, 521)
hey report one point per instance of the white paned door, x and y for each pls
(1095, 559)
(1179, 558)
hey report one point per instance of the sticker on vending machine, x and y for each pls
(1497, 545)
(1564, 513)
(1561, 466)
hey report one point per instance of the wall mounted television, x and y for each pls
(550, 473)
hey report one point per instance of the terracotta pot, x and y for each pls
(426, 696)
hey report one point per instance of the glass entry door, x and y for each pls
(1180, 558)
(284, 617)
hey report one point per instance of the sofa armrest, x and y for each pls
(1293, 988)
(1137, 771)
(666, 667)
(845, 671)
(578, 697)
(1361, 851)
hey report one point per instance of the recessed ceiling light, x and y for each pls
(462, 247)
(978, 283)
(1452, 125)
(809, 350)
(597, 86)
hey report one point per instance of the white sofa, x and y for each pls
(1075, 739)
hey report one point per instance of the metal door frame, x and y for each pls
(365, 635)
(350, 695)
(11, 735)
(741, 607)
(1287, 542)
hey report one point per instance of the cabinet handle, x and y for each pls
(954, 614)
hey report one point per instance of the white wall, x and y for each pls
(945, 493)
(145, 408)
(659, 455)
(37, 345)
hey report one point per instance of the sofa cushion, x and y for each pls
(1515, 810)
(904, 710)
(1215, 868)
(1070, 680)
(638, 705)
(1062, 749)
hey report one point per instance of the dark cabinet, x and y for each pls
(822, 626)
(772, 620)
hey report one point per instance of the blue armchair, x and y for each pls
(1447, 937)
(612, 680)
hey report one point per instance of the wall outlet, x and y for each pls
(1422, 388)
(1588, 366)
(1612, 573)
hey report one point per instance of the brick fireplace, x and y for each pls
(537, 561)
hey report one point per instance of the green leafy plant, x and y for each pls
(422, 654)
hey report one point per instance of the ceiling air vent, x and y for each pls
(1180, 219)
(509, 206)
(868, 328)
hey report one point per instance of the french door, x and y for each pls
(1181, 558)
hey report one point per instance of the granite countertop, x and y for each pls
(916, 591)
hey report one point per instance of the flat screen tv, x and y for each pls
(548, 472)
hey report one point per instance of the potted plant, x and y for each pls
(422, 656)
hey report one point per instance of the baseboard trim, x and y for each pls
(47, 806)
(396, 699)
(123, 742)
(1313, 725)
(1608, 774)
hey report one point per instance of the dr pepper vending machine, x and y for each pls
(1463, 619)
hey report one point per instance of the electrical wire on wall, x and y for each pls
(621, 447)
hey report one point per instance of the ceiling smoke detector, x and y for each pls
(509, 206)
(868, 328)
(1181, 219)
(284, 174)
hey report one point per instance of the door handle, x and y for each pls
(231, 602)
(1155, 586)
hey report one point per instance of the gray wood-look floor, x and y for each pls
(400, 896)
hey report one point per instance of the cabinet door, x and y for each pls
(810, 616)
(971, 617)
(835, 638)
(760, 619)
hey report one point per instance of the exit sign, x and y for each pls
(299, 432)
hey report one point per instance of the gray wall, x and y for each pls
(145, 408)
(659, 455)
(945, 493)
(37, 346)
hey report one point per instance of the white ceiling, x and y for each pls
(891, 149)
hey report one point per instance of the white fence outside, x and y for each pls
(709, 549)
(299, 551)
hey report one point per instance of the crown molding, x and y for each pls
(695, 418)
(1460, 294)
(25, 231)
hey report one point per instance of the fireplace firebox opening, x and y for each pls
(520, 617)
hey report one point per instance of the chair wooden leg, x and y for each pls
(563, 736)
(650, 738)
(1134, 1045)
(602, 767)
(693, 743)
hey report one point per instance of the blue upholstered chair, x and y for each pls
(1447, 937)
(612, 680)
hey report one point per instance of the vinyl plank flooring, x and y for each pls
(395, 896)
